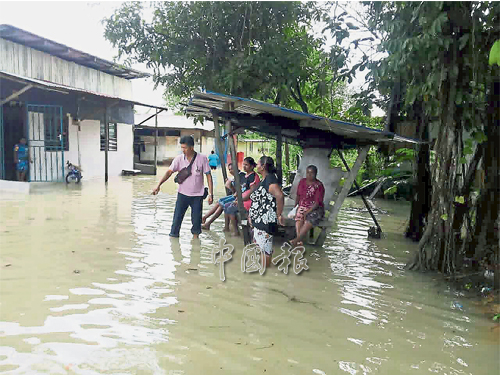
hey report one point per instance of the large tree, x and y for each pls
(439, 51)
(257, 49)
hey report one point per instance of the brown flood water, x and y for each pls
(90, 283)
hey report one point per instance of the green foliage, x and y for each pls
(173, 102)
(251, 49)
(495, 54)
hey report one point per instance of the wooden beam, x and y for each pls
(156, 140)
(279, 156)
(41, 87)
(218, 143)
(287, 156)
(150, 117)
(343, 194)
(362, 196)
(242, 214)
(16, 94)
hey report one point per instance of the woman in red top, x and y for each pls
(310, 196)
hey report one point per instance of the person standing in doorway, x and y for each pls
(22, 159)
(213, 160)
(192, 166)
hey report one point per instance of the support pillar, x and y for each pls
(106, 142)
(242, 214)
(279, 156)
(218, 142)
(156, 141)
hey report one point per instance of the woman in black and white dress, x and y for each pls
(267, 207)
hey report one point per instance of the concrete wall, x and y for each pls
(169, 148)
(254, 150)
(25, 61)
(91, 156)
(85, 142)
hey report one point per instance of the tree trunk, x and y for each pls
(420, 204)
(437, 247)
(298, 97)
(486, 235)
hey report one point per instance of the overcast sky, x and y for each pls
(78, 24)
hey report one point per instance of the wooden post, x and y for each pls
(279, 156)
(106, 142)
(343, 194)
(287, 161)
(362, 196)
(287, 156)
(218, 142)
(242, 214)
(156, 140)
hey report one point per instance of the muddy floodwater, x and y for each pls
(91, 283)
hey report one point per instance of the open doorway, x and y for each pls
(14, 128)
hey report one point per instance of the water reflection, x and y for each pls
(142, 302)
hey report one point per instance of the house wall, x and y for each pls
(208, 145)
(254, 152)
(28, 62)
(169, 148)
(91, 156)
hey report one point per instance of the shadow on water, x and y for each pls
(95, 285)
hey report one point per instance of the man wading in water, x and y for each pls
(191, 167)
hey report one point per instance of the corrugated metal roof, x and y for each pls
(203, 103)
(67, 89)
(37, 42)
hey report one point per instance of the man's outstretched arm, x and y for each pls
(165, 177)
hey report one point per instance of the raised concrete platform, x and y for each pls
(130, 172)
(148, 169)
(14, 187)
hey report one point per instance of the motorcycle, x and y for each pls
(74, 173)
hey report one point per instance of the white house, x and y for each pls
(170, 129)
(59, 99)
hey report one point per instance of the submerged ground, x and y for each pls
(90, 283)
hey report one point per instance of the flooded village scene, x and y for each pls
(250, 188)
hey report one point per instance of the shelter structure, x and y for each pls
(68, 104)
(318, 136)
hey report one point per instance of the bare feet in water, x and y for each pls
(295, 243)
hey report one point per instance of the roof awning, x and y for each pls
(37, 42)
(263, 117)
(51, 86)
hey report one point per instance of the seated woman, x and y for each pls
(249, 183)
(310, 211)
(217, 209)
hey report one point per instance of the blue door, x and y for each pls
(46, 142)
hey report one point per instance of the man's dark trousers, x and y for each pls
(182, 204)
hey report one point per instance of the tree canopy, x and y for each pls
(259, 49)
